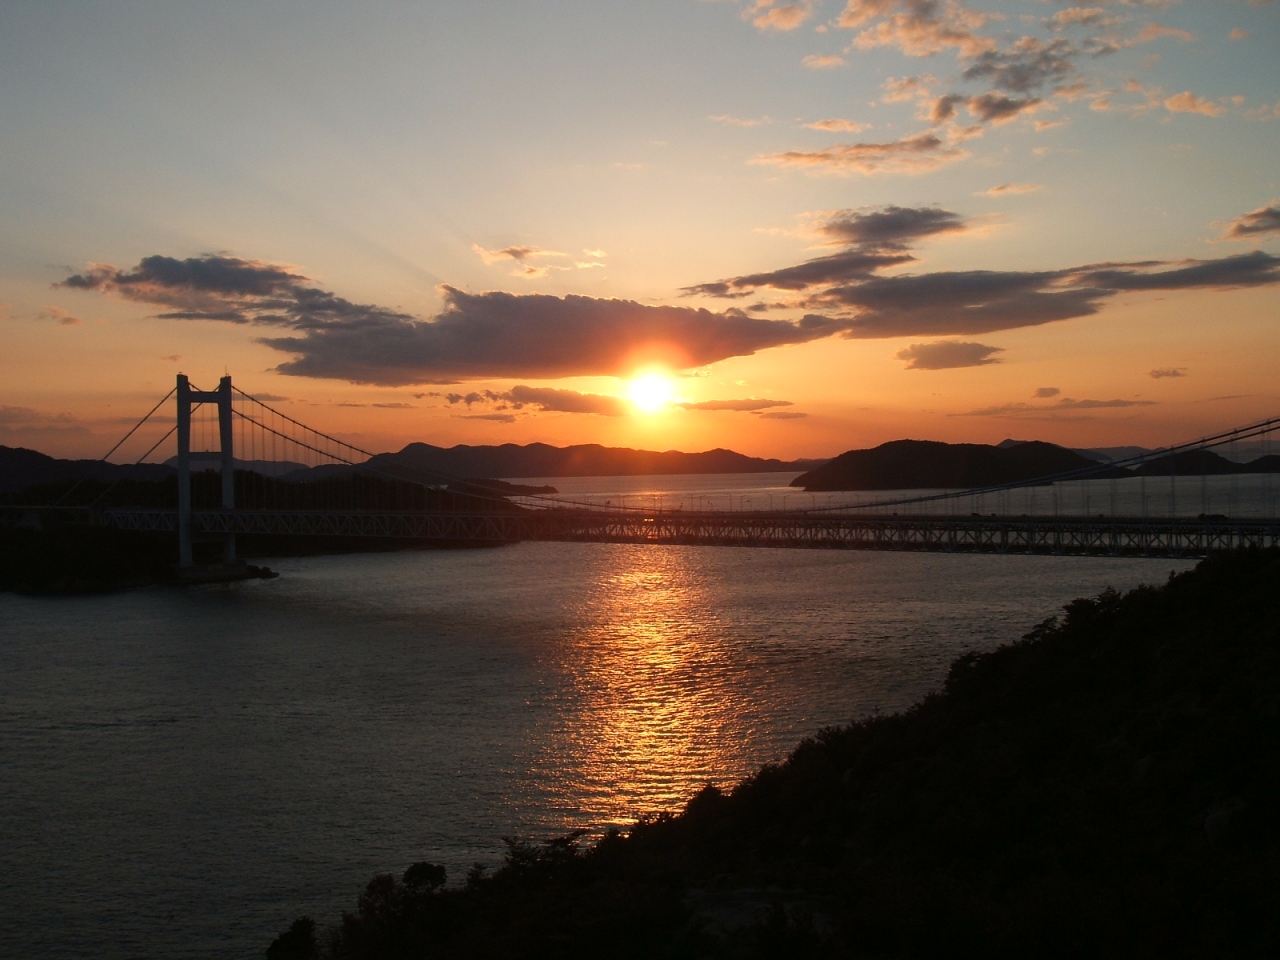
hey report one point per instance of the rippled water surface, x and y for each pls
(183, 771)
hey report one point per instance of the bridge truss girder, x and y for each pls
(1013, 535)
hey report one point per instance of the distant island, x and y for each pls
(580, 460)
(930, 464)
(21, 468)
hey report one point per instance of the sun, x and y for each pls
(651, 392)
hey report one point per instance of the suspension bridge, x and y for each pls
(278, 477)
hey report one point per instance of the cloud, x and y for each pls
(1256, 224)
(891, 227)
(1155, 31)
(817, 61)
(997, 108)
(947, 355)
(1030, 65)
(730, 121)
(495, 417)
(1051, 411)
(553, 400)
(1188, 102)
(744, 406)
(984, 301)
(518, 253)
(919, 28)
(214, 288)
(1168, 372)
(783, 17)
(1241, 270)
(783, 415)
(1077, 16)
(876, 239)
(944, 108)
(1238, 34)
(1010, 190)
(23, 426)
(567, 401)
(918, 153)
(950, 303)
(897, 90)
(1265, 112)
(836, 268)
(838, 125)
(475, 336)
(1043, 393)
(63, 318)
(504, 335)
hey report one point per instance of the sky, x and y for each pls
(785, 228)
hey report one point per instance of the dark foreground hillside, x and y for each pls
(1109, 787)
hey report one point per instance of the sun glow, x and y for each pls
(651, 392)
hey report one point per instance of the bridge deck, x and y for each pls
(1102, 536)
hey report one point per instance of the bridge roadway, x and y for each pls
(1098, 536)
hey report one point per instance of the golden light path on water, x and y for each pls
(656, 716)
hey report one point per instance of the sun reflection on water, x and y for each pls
(656, 714)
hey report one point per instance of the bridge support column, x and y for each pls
(226, 441)
(184, 472)
(186, 399)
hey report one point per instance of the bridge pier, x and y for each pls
(187, 398)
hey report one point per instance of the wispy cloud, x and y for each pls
(741, 406)
(771, 15)
(838, 125)
(732, 121)
(875, 239)
(1158, 31)
(1188, 102)
(948, 354)
(1054, 411)
(57, 314)
(1256, 224)
(1166, 372)
(997, 108)
(518, 253)
(821, 61)
(1010, 190)
(919, 28)
(918, 153)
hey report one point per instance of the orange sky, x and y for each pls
(836, 224)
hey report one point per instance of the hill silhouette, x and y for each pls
(21, 468)
(581, 460)
(919, 464)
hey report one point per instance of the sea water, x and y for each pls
(184, 771)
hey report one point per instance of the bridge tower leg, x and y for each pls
(226, 440)
(186, 399)
(184, 472)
